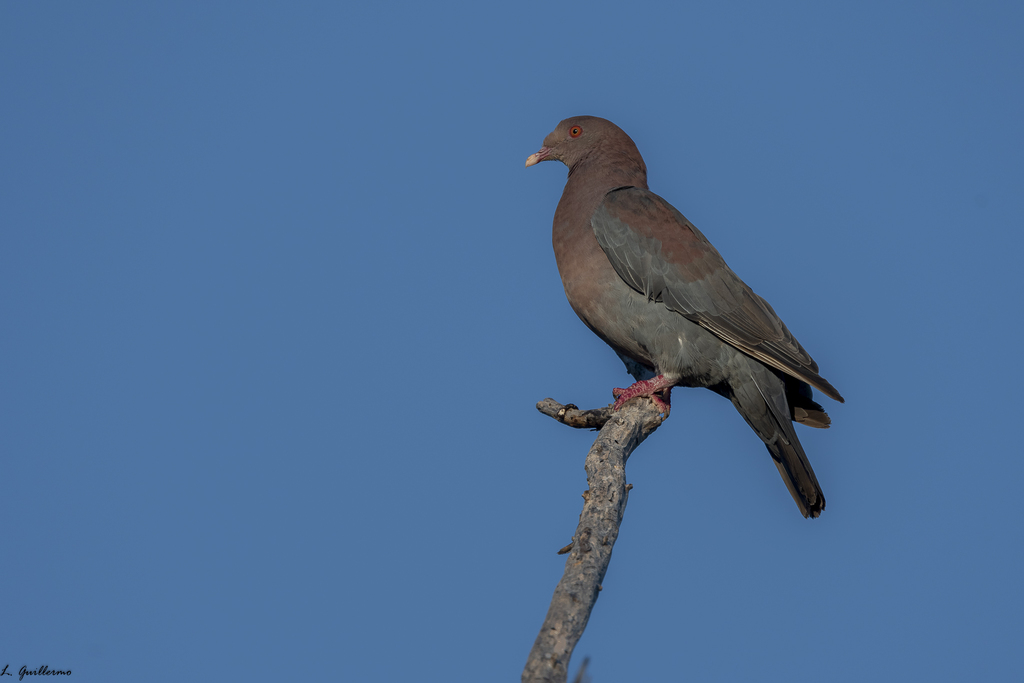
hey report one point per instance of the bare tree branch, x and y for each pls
(591, 547)
(570, 415)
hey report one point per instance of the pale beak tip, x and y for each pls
(540, 156)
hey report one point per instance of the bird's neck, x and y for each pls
(591, 178)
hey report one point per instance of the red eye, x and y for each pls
(575, 132)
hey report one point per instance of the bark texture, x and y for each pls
(591, 547)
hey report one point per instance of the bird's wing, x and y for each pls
(660, 254)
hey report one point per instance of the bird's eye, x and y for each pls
(575, 132)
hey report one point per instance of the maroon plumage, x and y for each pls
(647, 282)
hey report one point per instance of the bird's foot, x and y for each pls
(647, 387)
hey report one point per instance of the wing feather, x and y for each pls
(660, 254)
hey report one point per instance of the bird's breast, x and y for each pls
(635, 327)
(595, 291)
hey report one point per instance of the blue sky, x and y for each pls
(278, 298)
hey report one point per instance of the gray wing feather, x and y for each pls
(660, 254)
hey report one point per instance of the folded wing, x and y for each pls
(660, 254)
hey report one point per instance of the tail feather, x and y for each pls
(818, 419)
(805, 409)
(761, 397)
(796, 471)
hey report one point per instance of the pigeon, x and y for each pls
(651, 286)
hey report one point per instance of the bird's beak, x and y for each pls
(540, 156)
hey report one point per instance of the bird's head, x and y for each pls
(580, 138)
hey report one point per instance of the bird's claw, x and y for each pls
(645, 388)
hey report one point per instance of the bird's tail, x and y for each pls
(763, 403)
(797, 473)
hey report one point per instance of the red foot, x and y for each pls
(647, 387)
